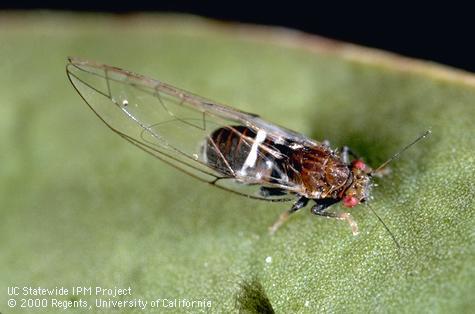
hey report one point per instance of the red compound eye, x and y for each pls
(359, 164)
(350, 201)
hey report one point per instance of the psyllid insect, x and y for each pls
(225, 147)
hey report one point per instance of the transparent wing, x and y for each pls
(173, 124)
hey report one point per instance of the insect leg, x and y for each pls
(301, 202)
(346, 152)
(320, 209)
(267, 191)
(321, 205)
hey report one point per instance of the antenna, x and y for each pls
(396, 155)
(385, 226)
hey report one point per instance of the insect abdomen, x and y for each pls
(235, 151)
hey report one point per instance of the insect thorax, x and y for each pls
(321, 173)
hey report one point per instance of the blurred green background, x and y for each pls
(81, 207)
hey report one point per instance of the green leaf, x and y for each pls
(81, 207)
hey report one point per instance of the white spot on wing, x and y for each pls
(242, 173)
(269, 164)
(295, 146)
(252, 157)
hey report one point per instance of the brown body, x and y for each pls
(316, 172)
(319, 171)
